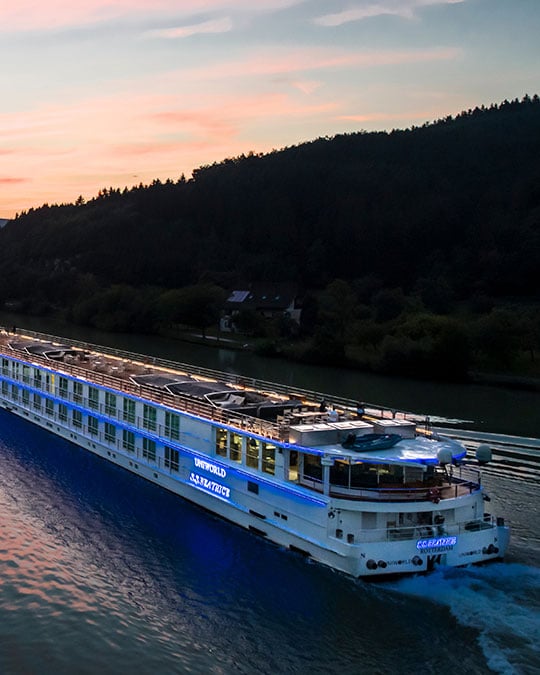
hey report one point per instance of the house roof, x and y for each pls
(263, 296)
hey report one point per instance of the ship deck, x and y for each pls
(146, 377)
(116, 369)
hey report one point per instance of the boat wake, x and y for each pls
(501, 601)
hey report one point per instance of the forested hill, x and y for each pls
(417, 251)
(455, 200)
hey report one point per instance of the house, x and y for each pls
(267, 299)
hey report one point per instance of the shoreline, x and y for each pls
(506, 381)
(498, 380)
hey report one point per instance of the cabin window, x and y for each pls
(62, 387)
(391, 476)
(253, 453)
(110, 432)
(49, 406)
(149, 449)
(221, 442)
(93, 425)
(172, 458)
(26, 374)
(312, 467)
(149, 417)
(15, 368)
(77, 392)
(26, 397)
(5, 366)
(110, 404)
(235, 446)
(269, 458)
(413, 476)
(5, 389)
(364, 475)
(293, 465)
(62, 412)
(36, 399)
(14, 392)
(339, 473)
(172, 425)
(37, 378)
(76, 418)
(128, 440)
(93, 398)
(129, 410)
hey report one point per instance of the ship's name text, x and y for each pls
(209, 485)
(211, 468)
(436, 542)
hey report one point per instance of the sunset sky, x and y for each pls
(99, 93)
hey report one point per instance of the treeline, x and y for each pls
(439, 221)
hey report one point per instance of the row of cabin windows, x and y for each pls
(255, 453)
(171, 455)
(357, 474)
(172, 421)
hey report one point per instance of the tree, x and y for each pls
(199, 306)
(388, 304)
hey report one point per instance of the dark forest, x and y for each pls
(414, 251)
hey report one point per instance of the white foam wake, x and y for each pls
(501, 601)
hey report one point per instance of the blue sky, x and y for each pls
(100, 93)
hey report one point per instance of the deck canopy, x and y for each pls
(418, 451)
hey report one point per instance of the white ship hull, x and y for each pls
(358, 530)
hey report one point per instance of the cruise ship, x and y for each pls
(364, 490)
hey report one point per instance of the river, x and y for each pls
(101, 572)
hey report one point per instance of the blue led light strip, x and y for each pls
(142, 433)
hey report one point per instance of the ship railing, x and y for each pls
(242, 382)
(421, 531)
(433, 493)
(186, 404)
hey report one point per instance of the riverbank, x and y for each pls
(496, 409)
(242, 343)
(508, 381)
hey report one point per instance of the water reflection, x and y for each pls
(103, 572)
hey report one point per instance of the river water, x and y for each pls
(101, 572)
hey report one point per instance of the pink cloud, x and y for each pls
(214, 26)
(32, 15)
(282, 61)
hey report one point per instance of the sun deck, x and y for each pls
(168, 383)
(133, 374)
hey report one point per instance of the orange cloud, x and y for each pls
(78, 149)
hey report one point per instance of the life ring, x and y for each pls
(435, 495)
